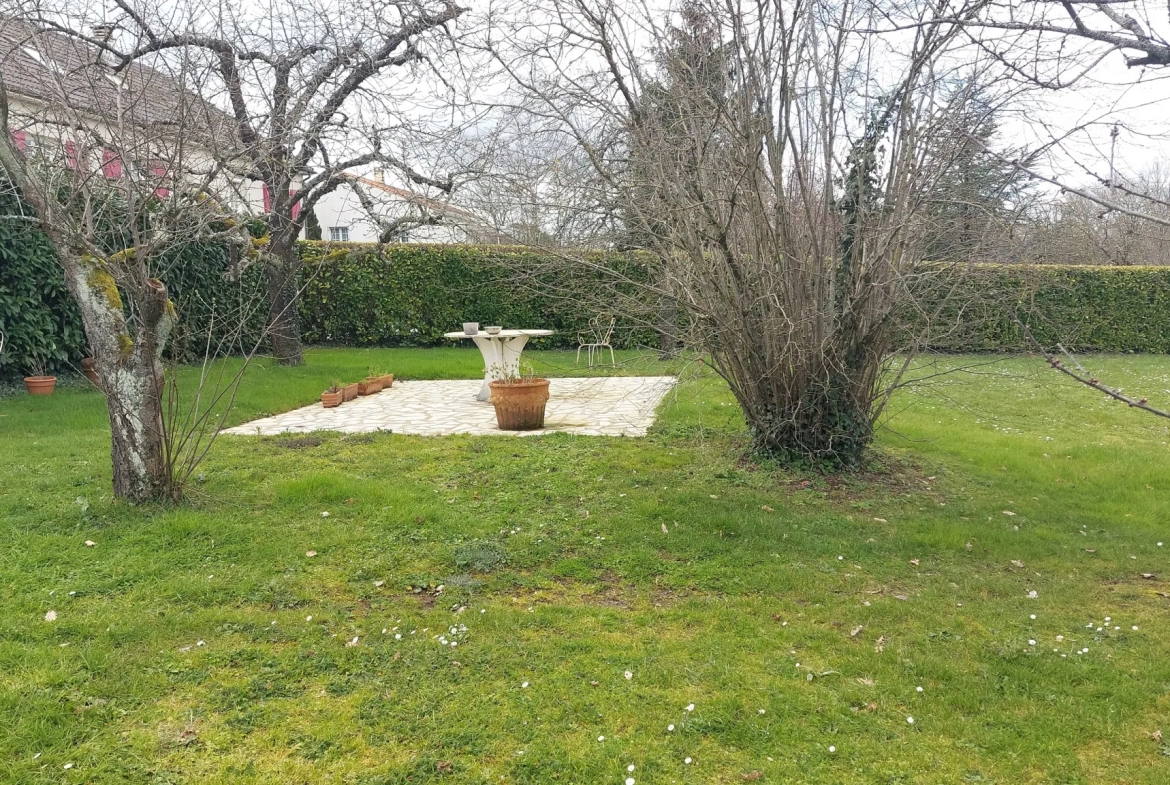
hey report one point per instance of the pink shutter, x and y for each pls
(21, 139)
(111, 164)
(267, 197)
(159, 170)
(71, 157)
(296, 208)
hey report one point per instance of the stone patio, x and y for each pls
(596, 406)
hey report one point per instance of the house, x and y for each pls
(366, 209)
(65, 102)
(69, 108)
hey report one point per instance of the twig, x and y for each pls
(1086, 378)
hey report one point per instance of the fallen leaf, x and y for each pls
(379, 584)
(310, 554)
(751, 776)
(865, 681)
(1149, 576)
(1009, 513)
(881, 520)
(766, 508)
(1090, 550)
(51, 616)
(594, 683)
(856, 630)
(1017, 563)
(871, 707)
(665, 530)
(90, 543)
(443, 767)
(914, 562)
(880, 644)
(1156, 735)
(629, 675)
(901, 597)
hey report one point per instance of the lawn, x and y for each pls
(560, 609)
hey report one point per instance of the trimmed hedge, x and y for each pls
(37, 314)
(409, 295)
(1102, 309)
(41, 321)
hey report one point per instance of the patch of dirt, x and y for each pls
(299, 442)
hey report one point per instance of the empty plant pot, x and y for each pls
(519, 404)
(40, 385)
(471, 328)
(90, 371)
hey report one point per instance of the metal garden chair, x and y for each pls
(596, 340)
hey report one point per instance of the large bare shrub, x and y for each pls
(775, 158)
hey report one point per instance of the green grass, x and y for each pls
(567, 561)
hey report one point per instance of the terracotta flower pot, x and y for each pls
(371, 385)
(331, 399)
(387, 381)
(520, 404)
(349, 392)
(90, 371)
(40, 385)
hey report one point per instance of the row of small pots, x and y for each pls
(339, 394)
(44, 385)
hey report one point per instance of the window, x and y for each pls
(339, 234)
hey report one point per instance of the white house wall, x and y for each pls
(342, 208)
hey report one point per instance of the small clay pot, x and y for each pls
(349, 392)
(331, 400)
(89, 369)
(387, 381)
(372, 384)
(40, 385)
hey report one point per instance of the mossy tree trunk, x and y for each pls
(130, 367)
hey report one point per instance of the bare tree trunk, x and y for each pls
(280, 275)
(667, 322)
(131, 372)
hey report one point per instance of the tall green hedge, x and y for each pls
(41, 322)
(1104, 309)
(37, 315)
(409, 295)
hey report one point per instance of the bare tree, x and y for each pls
(310, 89)
(103, 161)
(772, 156)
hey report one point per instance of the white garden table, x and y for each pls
(501, 353)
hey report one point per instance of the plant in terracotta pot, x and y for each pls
(331, 398)
(38, 382)
(519, 399)
(371, 385)
(387, 381)
(349, 392)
